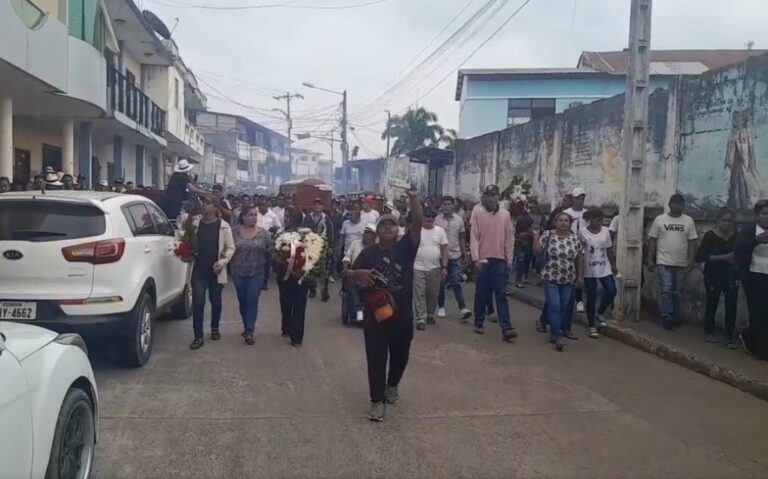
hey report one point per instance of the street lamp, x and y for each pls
(344, 144)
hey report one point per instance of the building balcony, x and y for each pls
(129, 100)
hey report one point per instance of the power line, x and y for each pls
(496, 32)
(274, 5)
(431, 42)
(439, 51)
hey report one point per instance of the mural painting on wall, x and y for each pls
(746, 186)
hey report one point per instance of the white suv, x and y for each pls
(97, 264)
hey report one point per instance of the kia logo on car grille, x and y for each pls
(13, 255)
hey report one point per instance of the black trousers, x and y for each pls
(756, 337)
(293, 306)
(388, 340)
(717, 287)
(201, 282)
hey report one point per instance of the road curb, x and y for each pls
(693, 362)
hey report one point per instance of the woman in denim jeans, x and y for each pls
(249, 267)
(599, 266)
(562, 270)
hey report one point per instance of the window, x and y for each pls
(242, 165)
(40, 221)
(162, 225)
(523, 110)
(139, 220)
(261, 169)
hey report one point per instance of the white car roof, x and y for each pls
(102, 199)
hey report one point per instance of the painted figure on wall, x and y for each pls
(746, 186)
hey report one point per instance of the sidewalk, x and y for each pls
(685, 346)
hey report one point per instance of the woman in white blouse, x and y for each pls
(753, 249)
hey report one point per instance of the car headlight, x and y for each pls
(72, 339)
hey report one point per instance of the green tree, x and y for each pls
(448, 138)
(412, 130)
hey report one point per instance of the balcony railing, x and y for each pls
(133, 103)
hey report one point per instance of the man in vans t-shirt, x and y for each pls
(671, 247)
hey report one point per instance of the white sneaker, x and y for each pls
(601, 322)
(593, 333)
(466, 313)
(440, 312)
(580, 307)
(331, 280)
(359, 316)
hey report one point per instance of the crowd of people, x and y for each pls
(395, 261)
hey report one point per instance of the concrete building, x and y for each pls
(152, 95)
(52, 84)
(89, 88)
(494, 99)
(241, 154)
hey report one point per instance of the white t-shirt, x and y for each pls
(759, 263)
(428, 254)
(268, 220)
(614, 227)
(369, 217)
(351, 232)
(672, 236)
(578, 222)
(596, 246)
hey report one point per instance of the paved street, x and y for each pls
(471, 406)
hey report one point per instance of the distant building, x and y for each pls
(242, 154)
(494, 99)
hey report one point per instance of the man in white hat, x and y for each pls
(178, 185)
(52, 182)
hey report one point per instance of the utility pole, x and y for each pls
(287, 97)
(389, 118)
(332, 130)
(633, 153)
(344, 145)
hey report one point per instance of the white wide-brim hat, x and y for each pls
(183, 166)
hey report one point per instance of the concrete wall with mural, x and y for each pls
(708, 139)
(724, 137)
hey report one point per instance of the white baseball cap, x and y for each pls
(579, 191)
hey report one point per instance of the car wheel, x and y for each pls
(141, 336)
(182, 309)
(74, 439)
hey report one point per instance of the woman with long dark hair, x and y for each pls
(248, 266)
(563, 269)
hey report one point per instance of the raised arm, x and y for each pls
(417, 218)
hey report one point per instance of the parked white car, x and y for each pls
(98, 264)
(49, 406)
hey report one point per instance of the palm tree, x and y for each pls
(414, 129)
(449, 138)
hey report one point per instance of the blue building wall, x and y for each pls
(484, 102)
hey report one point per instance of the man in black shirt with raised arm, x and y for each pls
(385, 273)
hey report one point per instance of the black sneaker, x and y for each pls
(430, 320)
(325, 296)
(215, 335)
(196, 344)
(285, 335)
(421, 326)
(509, 334)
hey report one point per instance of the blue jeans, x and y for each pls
(492, 282)
(609, 294)
(523, 264)
(559, 299)
(455, 267)
(670, 284)
(248, 289)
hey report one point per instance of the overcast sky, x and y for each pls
(248, 55)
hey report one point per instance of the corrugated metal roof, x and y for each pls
(617, 62)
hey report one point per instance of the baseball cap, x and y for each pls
(384, 218)
(491, 190)
(370, 227)
(579, 191)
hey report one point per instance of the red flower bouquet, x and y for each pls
(186, 247)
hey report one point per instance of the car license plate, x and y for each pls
(18, 310)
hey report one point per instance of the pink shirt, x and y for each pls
(491, 235)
